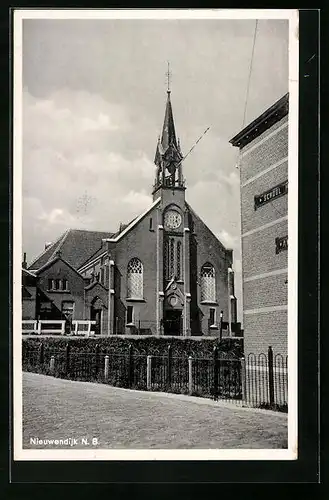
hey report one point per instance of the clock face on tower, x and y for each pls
(172, 219)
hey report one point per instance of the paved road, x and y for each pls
(120, 418)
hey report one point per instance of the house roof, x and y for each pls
(75, 246)
(93, 257)
(29, 273)
(266, 120)
(29, 292)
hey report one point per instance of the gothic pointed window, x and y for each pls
(171, 258)
(208, 283)
(166, 260)
(135, 279)
(179, 260)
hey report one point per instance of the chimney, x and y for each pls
(24, 263)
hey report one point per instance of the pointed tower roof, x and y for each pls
(168, 141)
(168, 131)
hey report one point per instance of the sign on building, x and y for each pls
(281, 244)
(271, 194)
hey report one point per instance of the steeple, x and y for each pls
(168, 155)
(168, 131)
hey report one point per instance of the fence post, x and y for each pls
(169, 366)
(270, 375)
(243, 379)
(190, 375)
(96, 360)
(215, 372)
(148, 372)
(67, 359)
(41, 354)
(106, 367)
(130, 366)
(52, 365)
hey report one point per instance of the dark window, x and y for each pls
(179, 257)
(45, 307)
(166, 260)
(151, 224)
(130, 311)
(65, 285)
(50, 284)
(68, 308)
(212, 316)
(107, 274)
(172, 259)
(57, 284)
(102, 275)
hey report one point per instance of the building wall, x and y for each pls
(97, 296)
(28, 307)
(60, 270)
(139, 242)
(263, 165)
(205, 247)
(29, 284)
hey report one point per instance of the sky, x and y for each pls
(94, 94)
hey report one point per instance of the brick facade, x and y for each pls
(264, 166)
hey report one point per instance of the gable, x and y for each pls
(58, 268)
(97, 295)
(135, 222)
(199, 225)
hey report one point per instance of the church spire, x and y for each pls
(168, 131)
(168, 156)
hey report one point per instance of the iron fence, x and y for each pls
(259, 380)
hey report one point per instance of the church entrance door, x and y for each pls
(173, 322)
(96, 315)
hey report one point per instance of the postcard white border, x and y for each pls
(291, 453)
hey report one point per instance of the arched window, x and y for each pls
(172, 258)
(166, 259)
(208, 283)
(179, 260)
(135, 279)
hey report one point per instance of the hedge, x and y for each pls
(156, 346)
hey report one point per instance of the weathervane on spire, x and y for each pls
(168, 75)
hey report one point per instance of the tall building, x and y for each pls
(163, 273)
(263, 163)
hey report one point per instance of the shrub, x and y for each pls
(155, 346)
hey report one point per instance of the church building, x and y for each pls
(164, 273)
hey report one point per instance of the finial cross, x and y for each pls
(168, 75)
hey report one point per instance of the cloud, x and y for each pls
(76, 170)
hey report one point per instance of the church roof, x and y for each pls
(93, 257)
(75, 246)
(117, 236)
